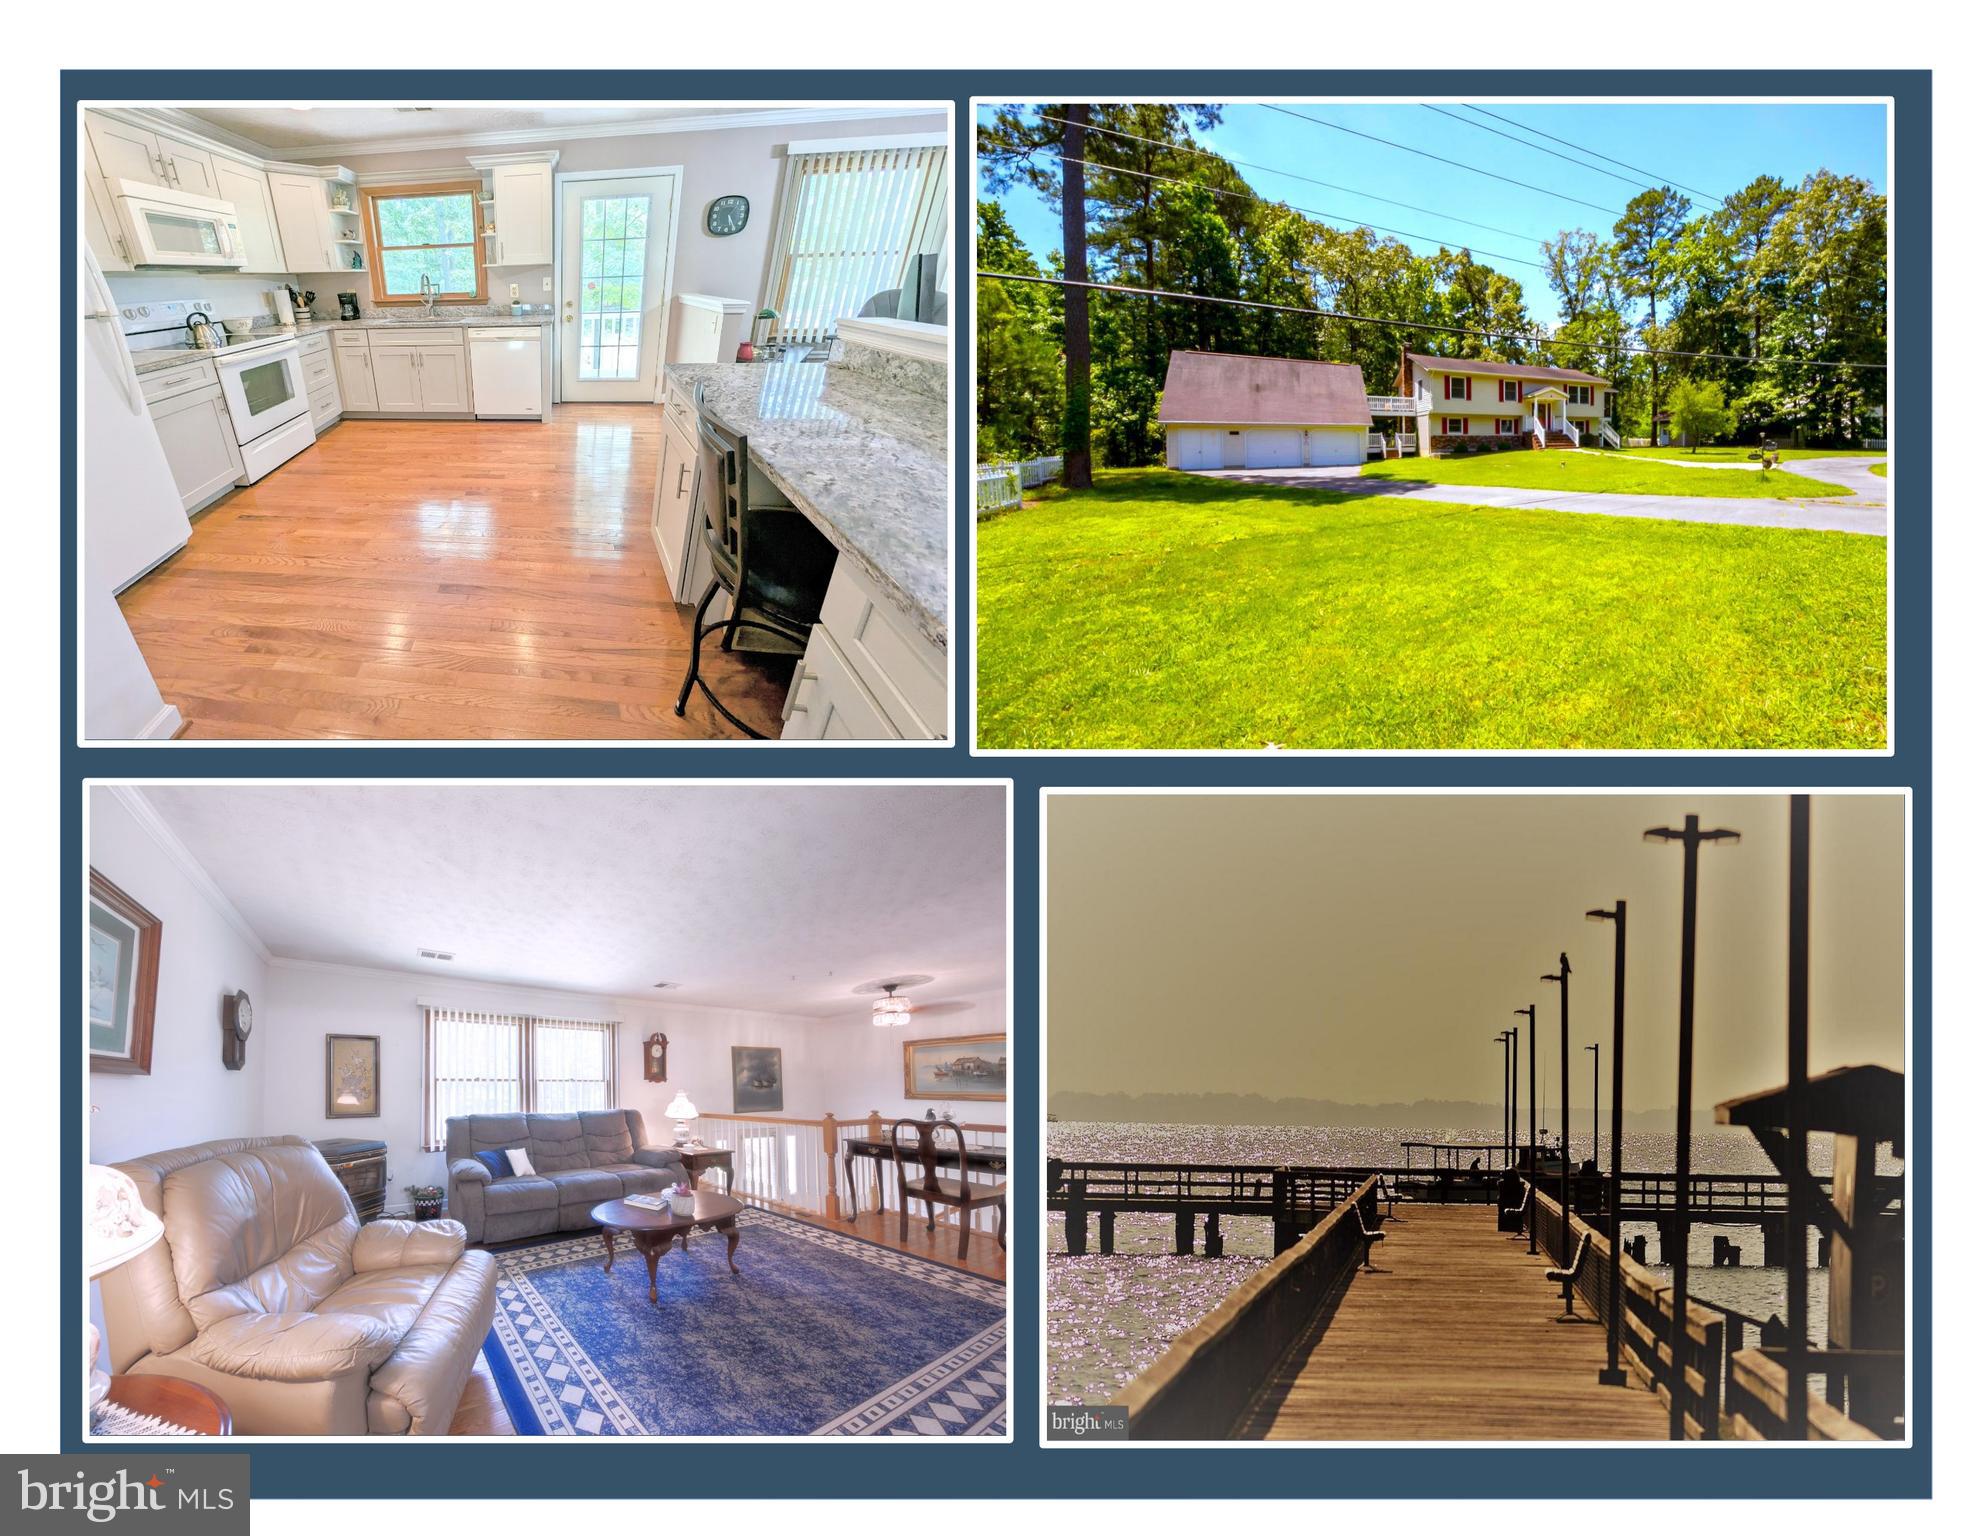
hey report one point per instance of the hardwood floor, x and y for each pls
(408, 580)
(482, 1412)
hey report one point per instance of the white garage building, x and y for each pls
(1225, 411)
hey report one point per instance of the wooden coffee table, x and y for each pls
(185, 1403)
(652, 1232)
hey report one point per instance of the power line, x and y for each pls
(1640, 186)
(1475, 170)
(1250, 197)
(1664, 180)
(1270, 170)
(1529, 338)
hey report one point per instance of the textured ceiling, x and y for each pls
(288, 128)
(773, 897)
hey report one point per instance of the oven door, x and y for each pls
(264, 389)
(177, 229)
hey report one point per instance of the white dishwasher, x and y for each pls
(504, 371)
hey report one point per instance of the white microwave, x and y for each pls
(170, 228)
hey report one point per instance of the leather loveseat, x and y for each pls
(578, 1160)
(268, 1291)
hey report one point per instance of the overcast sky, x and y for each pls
(1368, 948)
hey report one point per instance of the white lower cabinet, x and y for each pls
(444, 379)
(827, 702)
(354, 368)
(396, 383)
(418, 378)
(200, 444)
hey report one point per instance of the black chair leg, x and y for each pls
(696, 645)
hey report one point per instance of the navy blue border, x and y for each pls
(435, 1469)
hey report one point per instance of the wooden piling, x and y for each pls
(1076, 1220)
(1107, 1233)
(1183, 1233)
(1213, 1235)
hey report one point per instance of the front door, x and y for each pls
(614, 246)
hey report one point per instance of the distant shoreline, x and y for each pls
(1255, 1109)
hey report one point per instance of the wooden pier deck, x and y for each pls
(1453, 1335)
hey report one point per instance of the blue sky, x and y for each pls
(1717, 147)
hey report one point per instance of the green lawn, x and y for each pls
(1882, 467)
(1169, 611)
(1736, 455)
(1561, 470)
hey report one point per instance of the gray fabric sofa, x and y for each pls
(579, 1160)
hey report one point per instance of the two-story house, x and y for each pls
(1469, 400)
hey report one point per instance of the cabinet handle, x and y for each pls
(682, 473)
(160, 161)
(174, 164)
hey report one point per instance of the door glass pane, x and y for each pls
(181, 234)
(266, 385)
(613, 248)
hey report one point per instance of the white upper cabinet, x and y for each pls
(255, 216)
(100, 227)
(127, 153)
(188, 167)
(303, 222)
(523, 195)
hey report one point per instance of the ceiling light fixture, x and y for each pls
(890, 1009)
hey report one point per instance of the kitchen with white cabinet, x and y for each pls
(429, 385)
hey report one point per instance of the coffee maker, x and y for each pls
(348, 306)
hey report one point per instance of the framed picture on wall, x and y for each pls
(121, 993)
(351, 1077)
(962, 1067)
(758, 1087)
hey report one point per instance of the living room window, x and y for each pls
(506, 1064)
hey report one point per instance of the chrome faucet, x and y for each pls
(430, 291)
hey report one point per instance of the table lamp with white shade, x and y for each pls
(680, 1109)
(116, 1229)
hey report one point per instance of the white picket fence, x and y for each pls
(999, 486)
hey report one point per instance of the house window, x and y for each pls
(417, 232)
(498, 1064)
(1455, 387)
(1580, 394)
(1506, 425)
(851, 223)
(1454, 426)
(1607, 403)
(1508, 390)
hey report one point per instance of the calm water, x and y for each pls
(1108, 1319)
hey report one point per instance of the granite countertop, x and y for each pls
(861, 454)
(154, 359)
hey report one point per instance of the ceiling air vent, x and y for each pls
(435, 954)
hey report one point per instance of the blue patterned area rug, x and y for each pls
(820, 1333)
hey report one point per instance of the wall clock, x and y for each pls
(727, 214)
(655, 1058)
(237, 1019)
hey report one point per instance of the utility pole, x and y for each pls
(1531, 1013)
(1612, 1375)
(1564, 972)
(1075, 301)
(1693, 837)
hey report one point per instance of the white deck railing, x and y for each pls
(1397, 405)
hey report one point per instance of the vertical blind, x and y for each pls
(495, 1064)
(850, 221)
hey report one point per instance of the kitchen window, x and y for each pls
(428, 231)
(851, 222)
(504, 1064)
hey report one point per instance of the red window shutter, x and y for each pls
(1466, 388)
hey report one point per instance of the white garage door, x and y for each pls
(1338, 445)
(1273, 447)
(1200, 448)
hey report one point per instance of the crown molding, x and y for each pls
(142, 811)
(634, 128)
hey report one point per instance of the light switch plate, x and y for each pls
(514, 293)
(548, 285)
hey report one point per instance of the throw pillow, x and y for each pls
(520, 1162)
(498, 1163)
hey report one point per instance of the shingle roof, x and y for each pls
(1230, 389)
(1502, 370)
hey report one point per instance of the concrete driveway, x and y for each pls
(1866, 509)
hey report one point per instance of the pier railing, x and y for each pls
(1200, 1388)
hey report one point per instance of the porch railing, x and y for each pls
(1538, 430)
(796, 1164)
(1607, 433)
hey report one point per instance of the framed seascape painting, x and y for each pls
(963, 1067)
(122, 990)
(758, 1087)
(351, 1077)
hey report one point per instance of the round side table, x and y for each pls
(184, 1403)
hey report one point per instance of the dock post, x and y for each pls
(1822, 1254)
(1183, 1233)
(1213, 1234)
(1775, 1234)
(1076, 1219)
(1283, 1217)
(1107, 1233)
(1638, 1248)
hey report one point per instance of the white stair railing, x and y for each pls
(1538, 430)
(1608, 434)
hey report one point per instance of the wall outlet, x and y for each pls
(548, 285)
(513, 293)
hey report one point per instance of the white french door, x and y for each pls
(617, 236)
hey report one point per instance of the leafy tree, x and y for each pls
(1020, 349)
(1698, 411)
(1642, 258)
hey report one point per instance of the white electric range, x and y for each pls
(261, 375)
